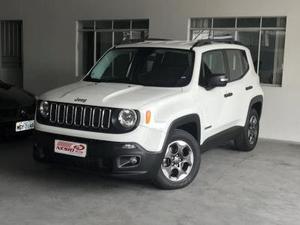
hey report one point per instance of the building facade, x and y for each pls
(61, 39)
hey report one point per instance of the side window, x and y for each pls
(237, 63)
(212, 64)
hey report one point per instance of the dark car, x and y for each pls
(17, 108)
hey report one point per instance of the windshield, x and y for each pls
(144, 66)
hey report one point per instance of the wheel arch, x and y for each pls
(257, 104)
(189, 123)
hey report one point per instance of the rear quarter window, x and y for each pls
(237, 63)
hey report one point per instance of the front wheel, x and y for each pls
(247, 139)
(181, 162)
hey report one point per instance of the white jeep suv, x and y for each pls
(147, 110)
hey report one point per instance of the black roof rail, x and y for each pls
(213, 41)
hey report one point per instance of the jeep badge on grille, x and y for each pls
(83, 100)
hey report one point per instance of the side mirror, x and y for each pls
(217, 81)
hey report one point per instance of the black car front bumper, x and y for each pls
(107, 157)
(8, 128)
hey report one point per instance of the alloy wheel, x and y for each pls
(252, 129)
(178, 161)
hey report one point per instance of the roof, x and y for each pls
(187, 45)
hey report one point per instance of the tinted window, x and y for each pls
(237, 63)
(145, 66)
(213, 64)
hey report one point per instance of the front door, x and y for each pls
(216, 104)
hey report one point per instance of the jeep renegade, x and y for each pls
(147, 110)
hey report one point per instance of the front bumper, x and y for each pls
(8, 128)
(104, 156)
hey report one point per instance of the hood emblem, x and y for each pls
(83, 100)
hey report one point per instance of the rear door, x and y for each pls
(236, 98)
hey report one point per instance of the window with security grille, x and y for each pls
(95, 37)
(11, 51)
(264, 36)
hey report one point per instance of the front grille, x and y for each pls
(8, 113)
(80, 116)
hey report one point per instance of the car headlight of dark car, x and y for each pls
(44, 109)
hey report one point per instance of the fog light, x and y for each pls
(133, 160)
(128, 146)
(128, 161)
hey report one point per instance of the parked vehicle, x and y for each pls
(17, 108)
(148, 109)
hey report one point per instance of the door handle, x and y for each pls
(249, 88)
(228, 95)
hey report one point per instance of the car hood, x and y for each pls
(12, 97)
(115, 95)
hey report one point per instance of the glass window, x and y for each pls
(201, 34)
(248, 22)
(140, 24)
(201, 23)
(103, 43)
(236, 63)
(104, 24)
(96, 37)
(271, 56)
(212, 64)
(274, 22)
(122, 24)
(250, 40)
(223, 33)
(224, 22)
(214, 61)
(139, 35)
(145, 66)
(87, 25)
(121, 37)
(264, 36)
(86, 51)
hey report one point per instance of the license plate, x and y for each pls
(24, 125)
(70, 148)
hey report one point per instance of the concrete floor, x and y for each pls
(260, 187)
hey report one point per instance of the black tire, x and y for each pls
(161, 181)
(243, 142)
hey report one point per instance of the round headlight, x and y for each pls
(44, 108)
(127, 118)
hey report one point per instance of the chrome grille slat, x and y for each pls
(61, 109)
(105, 112)
(80, 116)
(53, 112)
(76, 115)
(96, 119)
(87, 116)
(69, 119)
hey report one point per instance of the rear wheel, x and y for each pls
(181, 162)
(247, 140)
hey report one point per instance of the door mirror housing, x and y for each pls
(219, 80)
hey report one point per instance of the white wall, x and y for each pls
(49, 42)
